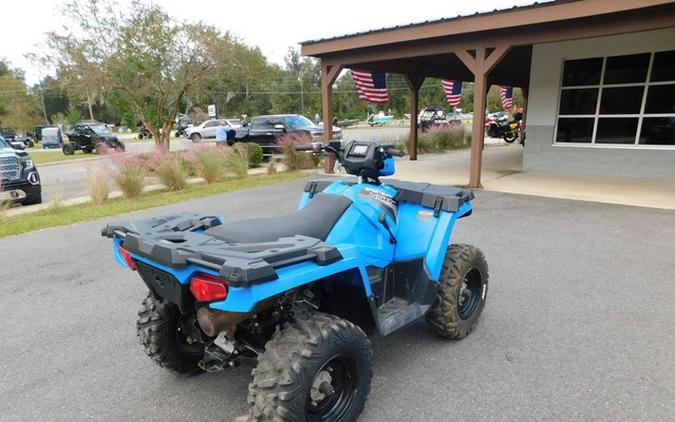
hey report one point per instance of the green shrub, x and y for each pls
(255, 154)
(171, 172)
(130, 177)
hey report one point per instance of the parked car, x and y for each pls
(14, 140)
(266, 130)
(206, 130)
(51, 138)
(37, 132)
(19, 178)
(90, 136)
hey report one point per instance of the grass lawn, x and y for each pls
(63, 215)
(51, 155)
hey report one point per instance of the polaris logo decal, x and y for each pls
(387, 201)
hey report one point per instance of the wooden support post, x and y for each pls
(480, 64)
(478, 129)
(414, 83)
(329, 74)
(523, 123)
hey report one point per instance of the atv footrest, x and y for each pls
(179, 240)
(398, 313)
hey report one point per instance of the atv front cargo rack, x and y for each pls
(436, 197)
(178, 240)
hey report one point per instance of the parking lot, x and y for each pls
(69, 179)
(578, 324)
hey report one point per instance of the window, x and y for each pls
(618, 100)
(262, 124)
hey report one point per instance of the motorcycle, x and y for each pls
(502, 127)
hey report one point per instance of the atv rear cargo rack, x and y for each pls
(178, 240)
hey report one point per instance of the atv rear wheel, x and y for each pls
(160, 335)
(461, 294)
(316, 368)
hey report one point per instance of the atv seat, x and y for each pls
(314, 220)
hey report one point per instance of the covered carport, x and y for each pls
(485, 48)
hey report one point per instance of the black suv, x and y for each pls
(19, 179)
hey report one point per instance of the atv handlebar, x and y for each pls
(318, 148)
(395, 152)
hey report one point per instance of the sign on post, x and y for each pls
(212, 110)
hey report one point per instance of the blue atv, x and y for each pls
(295, 296)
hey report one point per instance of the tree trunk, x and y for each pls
(161, 139)
(89, 105)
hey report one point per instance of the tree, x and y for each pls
(19, 107)
(147, 59)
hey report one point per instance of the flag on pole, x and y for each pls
(371, 86)
(506, 95)
(453, 92)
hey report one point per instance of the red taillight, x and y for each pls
(207, 288)
(127, 258)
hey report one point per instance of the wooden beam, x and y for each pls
(649, 19)
(414, 83)
(497, 54)
(329, 74)
(481, 64)
(477, 130)
(511, 21)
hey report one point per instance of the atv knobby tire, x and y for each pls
(449, 316)
(157, 330)
(300, 353)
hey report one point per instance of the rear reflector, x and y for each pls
(207, 288)
(127, 258)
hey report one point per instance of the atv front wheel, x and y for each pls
(159, 332)
(461, 294)
(316, 368)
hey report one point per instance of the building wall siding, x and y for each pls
(540, 152)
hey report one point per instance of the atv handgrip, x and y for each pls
(395, 152)
(315, 147)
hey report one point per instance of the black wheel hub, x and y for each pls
(470, 292)
(333, 389)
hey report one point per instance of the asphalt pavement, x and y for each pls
(578, 324)
(69, 180)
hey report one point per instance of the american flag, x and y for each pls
(371, 86)
(453, 92)
(506, 95)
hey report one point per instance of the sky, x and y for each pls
(272, 25)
